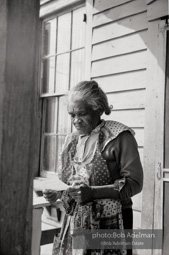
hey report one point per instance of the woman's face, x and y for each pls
(83, 117)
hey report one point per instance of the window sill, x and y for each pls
(39, 202)
(38, 184)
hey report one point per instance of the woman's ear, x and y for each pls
(100, 112)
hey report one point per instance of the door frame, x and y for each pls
(152, 205)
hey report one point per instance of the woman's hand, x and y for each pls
(81, 193)
(51, 195)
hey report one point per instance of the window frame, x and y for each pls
(44, 173)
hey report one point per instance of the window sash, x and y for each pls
(65, 62)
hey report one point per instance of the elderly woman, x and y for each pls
(101, 163)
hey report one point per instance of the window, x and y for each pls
(63, 53)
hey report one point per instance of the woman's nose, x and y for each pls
(77, 119)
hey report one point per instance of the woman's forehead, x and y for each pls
(78, 105)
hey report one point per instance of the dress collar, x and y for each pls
(97, 128)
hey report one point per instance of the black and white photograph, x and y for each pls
(84, 127)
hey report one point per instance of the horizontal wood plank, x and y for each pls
(100, 5)
(127, 100)
(150, 1)
(122, 11)
(40, 202)
(157, 9)
(137, 202)
(122, 27)
(131, 118)
(123, 63)
(122, 45)
(123, 81)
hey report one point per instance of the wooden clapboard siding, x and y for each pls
(132, 118)
(101, 5)
(127, 100)
(150, 1)
(119, 46)
(124, 63)
(157, 9)
(122, 27)
(119, 65)
(139, 135)
(123, 81)
(122, 11)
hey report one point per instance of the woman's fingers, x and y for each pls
(72, 188)
(48, 192)
(75, 193)
(81, 193)
(50, 195)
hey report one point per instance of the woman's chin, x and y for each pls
(82, 132)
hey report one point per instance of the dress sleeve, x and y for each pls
(128, 160)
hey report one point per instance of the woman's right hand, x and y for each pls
(51, 195)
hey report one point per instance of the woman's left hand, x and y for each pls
(81, 193)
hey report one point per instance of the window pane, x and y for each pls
(48, 75)
(50, 115)
(78, 32)
(77, 67)
(64, 123)
(64, 29)
(59, 146)
(49, 37)
(63, 66)
(49, 153)
(64, 120)
(62, 73)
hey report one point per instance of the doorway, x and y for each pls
(166, 160)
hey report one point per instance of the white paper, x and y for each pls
(51, 184)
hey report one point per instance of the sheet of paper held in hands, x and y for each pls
(55, 184)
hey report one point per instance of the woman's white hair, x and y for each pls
(93, 94)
